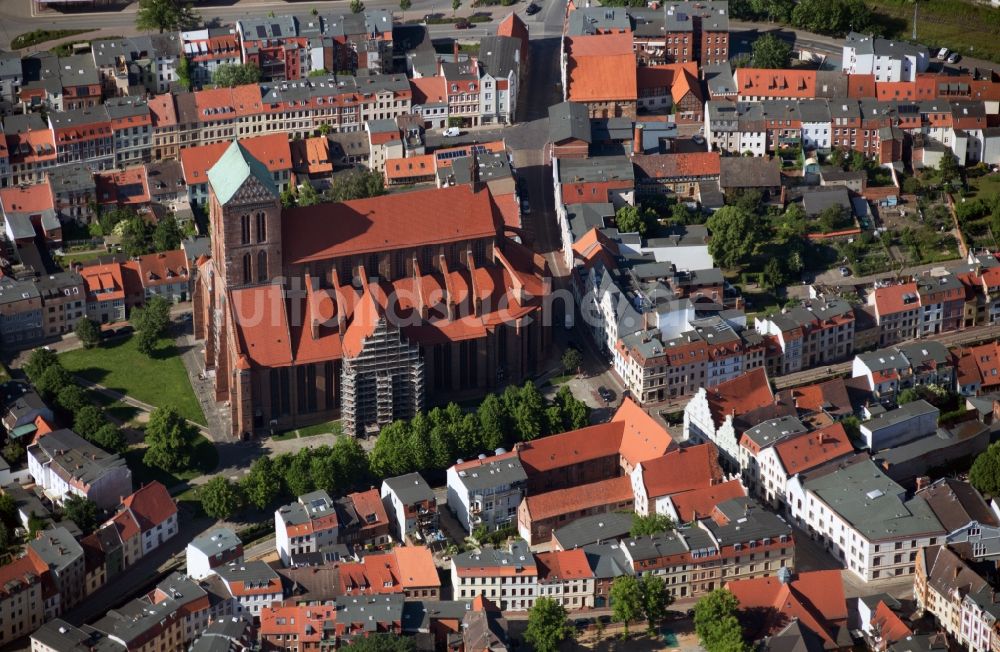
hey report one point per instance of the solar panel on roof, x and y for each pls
(261, 32)
(276, 29)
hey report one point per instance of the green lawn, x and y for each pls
(326, 428)
(962, 25)
(159, 380)
(205, 456)
(984, 186)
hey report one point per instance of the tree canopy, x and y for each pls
(716, 622)
(736, 232)
(170, 440)
(632, 219)
(626, 600)
(88, 332)
(380, 642)
(82, 512)
(769, 51)
(548, 625)
(360, 184)
(151, 322)
(655, 599)
(651, 524)
(165, 16)
(167, 234)
(235, 74)
(220, 498)
(985, 472)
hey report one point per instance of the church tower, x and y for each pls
(245, 220)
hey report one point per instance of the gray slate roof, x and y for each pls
(410, 488)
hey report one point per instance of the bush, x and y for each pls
(42, 35)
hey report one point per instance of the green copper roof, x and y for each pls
(233, 168)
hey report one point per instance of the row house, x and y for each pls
(65, 83)
(410, 504)
(888, 371)
(310, 627)
(105, 292)
(656, 369)
(253, 585)
(149, 62)
(897, 312)
(462, 84)
(656, 481)
(681, 175)
(207, 49)
(21, 313)
(507, 578)
(57, 551)
(888, 61)
(566, 577)
(816, 333)
(977, 369)
(214, 548)
(682, 32)
(599, 71)
(11, 77)
(84, 136)
(63, 464)
(499, 68)
(132, 126)
(941, 583)
(671, 87)
(486, 492)
(274, 45)
(863, 518)
(150, 515)
(739, 540)
(779, 449)
(21, 598)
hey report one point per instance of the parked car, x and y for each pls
(532, 9)
(463, 24)
(844, 271)
(125, 330)
(942, 54)
(954, 58)
(606, 394)
(451, 132)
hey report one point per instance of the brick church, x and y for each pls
(360, 309)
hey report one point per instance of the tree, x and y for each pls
(357, 6)
(404, 5)
(548, 625)
(651, 524)
(360, 184)
(655, 600)
(71, 398)
(111, 438)
(134, 234)
(380, 642)
(948, 168)
(571, 360)
(455, 4)
(492, 424)
(908, 395)
(716, 623)
(82, 512)
(769, 51)
(152, 318)
(985, 472)
(262, 485)
(88, 332)
(626, 600)
(38, 362)
(735, 235)
(221, 498)
(229, 75)
(165, 16)
(13, 452)
(52, 380)
(774, 275)
(167, 234)
(184, 73)
(629, 219)
(308, 196)
(528, 413)
(170, 440)
(575, 412)
(88, 420)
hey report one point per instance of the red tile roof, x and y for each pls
(563, 565)
(104, 282)
(586, 496)
(699, 503)
(126, 187)
(740, 395)
(601, 67)
(126, 525)
(27, 199)
(163, 111)
(678, 166)
(815, 598)
(429, 90)
(20, 572)
(808, 450)
(574, 447)
(860, 86)
(163, 268)
(311, 155)
(368, 505)
(413, 166)
(594, 246)
(643, 437)
(680, 470)
(262, 325)
(416, 567)
(273, 151)
(889, 625)
(403, 220)
(890, 299)
(151, 505)
(759, 82)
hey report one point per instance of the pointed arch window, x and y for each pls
(245, 229)
(247, 275)
(261, 227)
(261, 266)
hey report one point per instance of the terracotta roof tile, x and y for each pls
(643, 437)
(896, 298)
(563, 565)
(601, 67)
(151, 505)
(678, 166)
(699, 503)
(26, 199)
(815, 598)
(740, 395)
(758, 82)
(680, 470)
(262, 325)
(272, 150)
(594, 494)
(890, 627)
(808, 450)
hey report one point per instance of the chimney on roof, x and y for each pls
(637, 138)
(922, 482)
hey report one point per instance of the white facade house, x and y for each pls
(888, 61)
(213, 549)
(487, 491)
(904, 424)
(863, 518)
(508, 579)
(307, 525)
(979, 615)
(254, 586)
(62, 463)
(566, 577)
